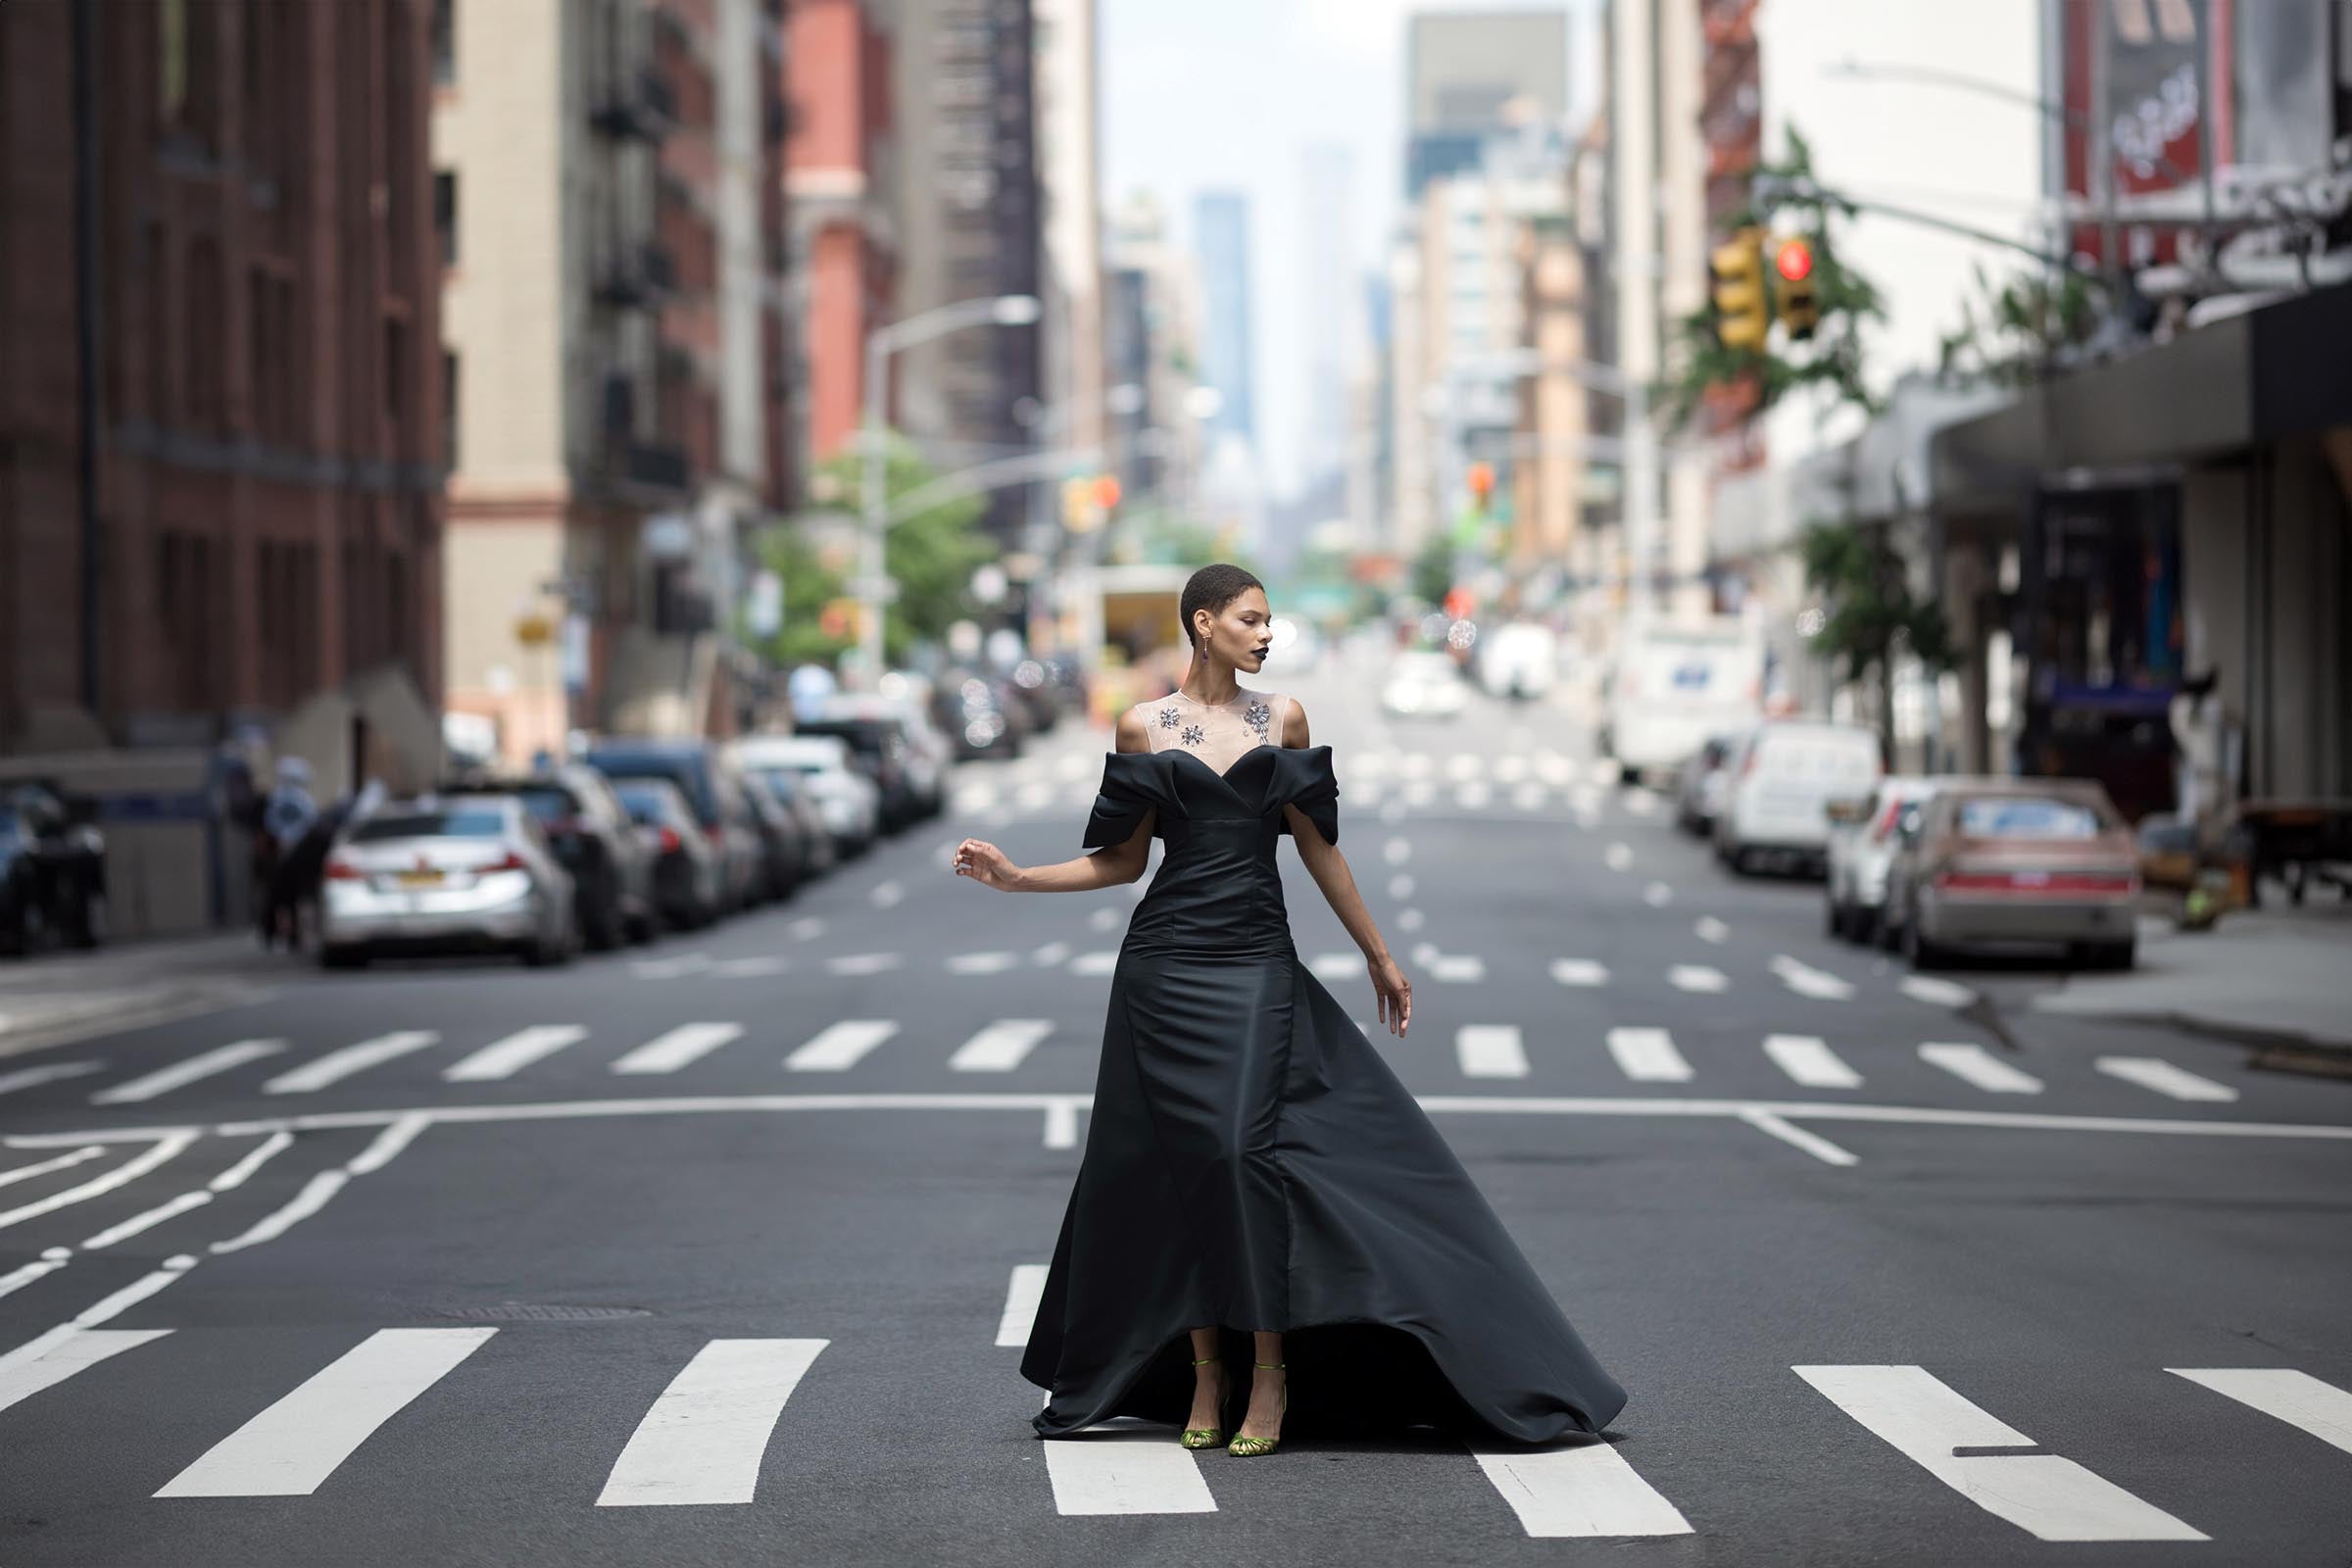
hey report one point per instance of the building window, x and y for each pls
(444, 43)
(445, 214)
(450, 423)
(396, 381)
(208, 347)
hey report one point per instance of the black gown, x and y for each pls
(1252, 1162)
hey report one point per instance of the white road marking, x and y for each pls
(1425, 953)
(1617, 857)
(864, 962)
(16, 1279)
(757, 966)
(148, 1220)
(1001, 1046)
(677, 1047)
(1579, 972)
(841, 1045)
(1657, 895)
(1527, 797)
(1331, 966)
(238, 1175)
(2153, 1072)
(203, 1065)
(314, 1195)
(1095, 964)
(61, 1357)
(1106, 918)
(1972, 1063)
(702, 1440)
(1401, 885)
(1409, 919)
(1489, 1050)
(1021, 1297)
(1050, 955)
(1809, 1061)
(166, 1148)
(1697, 978)
(1648, 1054)
(671, 968)
(1416, 764)
(2048, 1496)
(1075, 765)
(981, 962)
(2296, 1397)
(1397, 851)
(1641, 801)
(1121, 1467)
(807, 928)
(1584, 1489)
(1510, 768)
(1474, 797)
(338, 1065)
(1936, 993)
(48, 1073)
(1710, 929)
(886, 893)
(1458, 968)
(396, 1136)
(25, 1173)
(1808, 981)
(1061, 1123)
(1418, 792)
(505, 1057)
(1787, 1131)
(1034, 797)
(289, 1450)
(1464, 767)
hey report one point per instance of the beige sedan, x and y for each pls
(2015, 861)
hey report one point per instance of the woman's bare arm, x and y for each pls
(1329, 867)
(1118, 864)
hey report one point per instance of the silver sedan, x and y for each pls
(463, 873)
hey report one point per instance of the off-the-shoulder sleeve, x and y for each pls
(1132, 783)
(1302, 777)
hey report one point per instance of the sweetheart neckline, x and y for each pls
(1225, 774)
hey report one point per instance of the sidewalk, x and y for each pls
(63, 997)
(2268, 977)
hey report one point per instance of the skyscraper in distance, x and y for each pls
(1221, 239)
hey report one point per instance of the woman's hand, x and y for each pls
(986, 864)
(1395, 993)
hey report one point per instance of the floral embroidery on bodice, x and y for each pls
(1220, 733)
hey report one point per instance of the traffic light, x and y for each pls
(1481, 478)
(1800, 310)
(1743, 315)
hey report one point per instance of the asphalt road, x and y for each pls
(721, 1250)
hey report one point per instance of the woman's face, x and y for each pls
(1241, 632)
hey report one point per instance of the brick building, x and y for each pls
(221, 438)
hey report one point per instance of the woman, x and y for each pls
(1252, 1165)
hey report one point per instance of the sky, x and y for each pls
(1211, 94)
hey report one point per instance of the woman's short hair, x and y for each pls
(1212, 588)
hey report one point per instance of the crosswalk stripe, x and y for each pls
(702, 1440)
(1973, 1064)
(1458, 968)
(2296, 1397)
(1125, 1467)
(505, 1057)
(1095, 964)
(1579, 972)
(757, 966)
(1697, 978)
(1934, 991)
(2048, 1496)
(852, 963)
(1585, 1488)
(1648, 1054)
(1329, 966)
(338, 1065)
(1809, 1061)
(2154, 1072)
(981, 962)
(62, 1358)
(1490, 1050)
(676, 1047)
(179, 1074)
(1021, 1295)
(1808, 981)
(289, 1450)
(47, 1072)
(840, 1046)
(1001, 1046)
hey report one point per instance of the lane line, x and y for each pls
(166, 1149)
(2047, 1496)
(1972, 1063)
(504, 1059)
(64, 1357)
(682, 1046)
(103, 1310)
(241, 1173)
(289, 1450)
(187, 1072)
(702, 1440)
(46, 1073)
(1061, 1123)
(1710, 929)
(1617, 857)
(2154, 1072)
(1489, 1050)
(1001, 1046)
(338, 1065)
(149, 1221)
(25, 1173)
(388, 1143)
(1124, 1467)
(1809, 1061)
(1790, 1133)
(1657, 895)
(1808, 981)
(2295, 1397)
(1583, 972)
(313, 1197)
(16, 1279)
(1649, 1056)
(1697, 978)
(1585, 1488)
(1021, 1295)
(840, 1046)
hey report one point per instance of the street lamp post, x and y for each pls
(874, 589)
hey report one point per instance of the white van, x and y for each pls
(1782, 779)
(1518, 659)
(1673, 687)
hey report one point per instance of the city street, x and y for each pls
(722, 1250)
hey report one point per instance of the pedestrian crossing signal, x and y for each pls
(1743, 315)
(1799, 306)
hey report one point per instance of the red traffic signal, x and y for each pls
(1106, 491)
(1481, 480)
(1794, 259)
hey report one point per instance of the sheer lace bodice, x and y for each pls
(1219, 734)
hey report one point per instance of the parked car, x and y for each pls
(1865, 832)
(784, 849)
(847, 799)
(713, 791)
(1783, 777)
(1424, 683)
(2002, 860)
(689, 885)
(52, 873)
(1671, 687)
(612, 874)
(435, 873)
(878, 748)
(977, 714)
(1701, 782)
(791, 791)
(927, 754)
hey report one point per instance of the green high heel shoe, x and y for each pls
(1202, 1437)
(1242, 1447)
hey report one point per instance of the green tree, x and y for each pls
(2016, 331)
(1870, 614)
(1432, 569)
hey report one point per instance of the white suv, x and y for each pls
(1782, 779)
